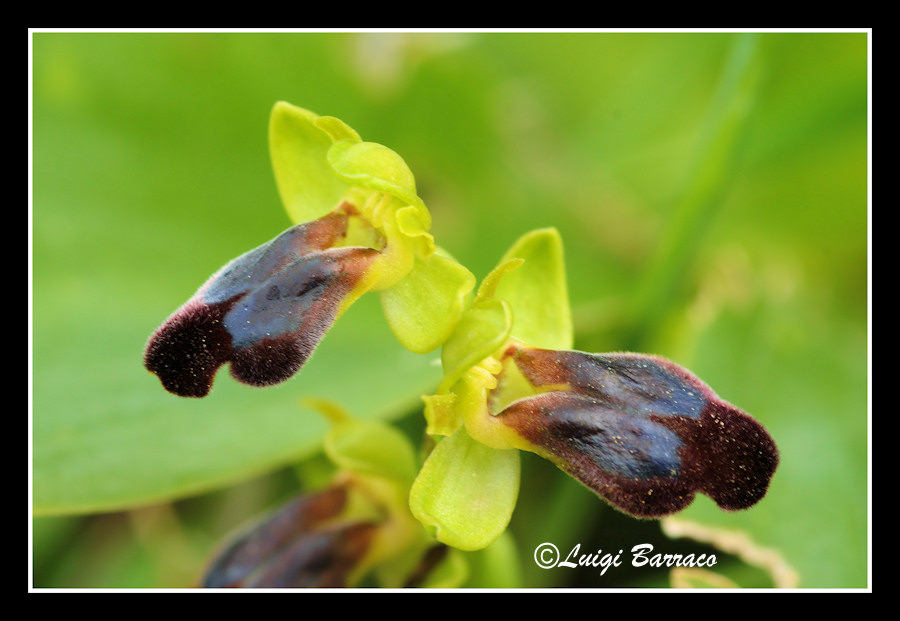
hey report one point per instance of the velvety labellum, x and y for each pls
(264, 313)
(640, 431)
(299, 545)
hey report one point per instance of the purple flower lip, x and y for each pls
(640, 431)
(297, 546)
(264, 312)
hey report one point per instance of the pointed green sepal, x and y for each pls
(306, 182)
(537, 291)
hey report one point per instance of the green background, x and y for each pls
(710, 189)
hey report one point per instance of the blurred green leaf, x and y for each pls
(713, 166)
(122, 441)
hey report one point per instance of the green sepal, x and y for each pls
(307, 183)
(371, 448)
(466, 492)
(537, 291)
(423, 308)
(452, 572)
(497, 566)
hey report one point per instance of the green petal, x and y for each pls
(375, 167)
(481, 330)
(488, 286)
(466, 492)
(413, 222)
(423, 308)
(308, 187)
(337, 129)
(370, 447)
(537, 291)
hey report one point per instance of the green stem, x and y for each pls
(713, 167)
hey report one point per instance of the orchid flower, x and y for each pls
(360, 227)
(640, 431)
(356, 529)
